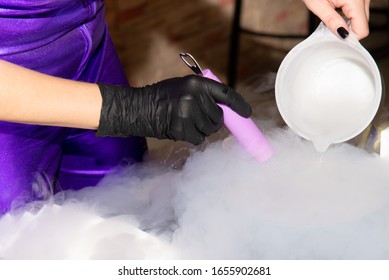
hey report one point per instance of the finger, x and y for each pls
(356, 12)
(207, 117)
(185, 130)
(329, 16)
(225, 95)
(236, 102)
(204, 124)
(367, 9)
(192, 134)
(212, 110)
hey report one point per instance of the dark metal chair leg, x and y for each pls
(234, 45)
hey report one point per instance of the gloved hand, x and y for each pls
(179, 109)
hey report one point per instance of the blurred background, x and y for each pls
(237, 40)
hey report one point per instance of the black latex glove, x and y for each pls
(178, 109)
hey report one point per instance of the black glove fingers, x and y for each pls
(237, 103)
(200, 115)
(184, 129)
(212, 110)
(202, 122)
(226, 95)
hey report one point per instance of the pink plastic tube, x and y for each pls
(244, 129)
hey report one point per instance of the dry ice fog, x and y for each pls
(219, 203)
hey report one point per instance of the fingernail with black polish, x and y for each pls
(343, 33)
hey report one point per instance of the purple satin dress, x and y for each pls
(69, 39)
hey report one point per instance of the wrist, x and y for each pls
(111, 111)
(132, 111)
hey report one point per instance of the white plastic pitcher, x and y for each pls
(328, 89)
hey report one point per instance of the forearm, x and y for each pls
(28, 96)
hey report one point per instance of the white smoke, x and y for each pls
(221, 204)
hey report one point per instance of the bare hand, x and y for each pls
(357, 11)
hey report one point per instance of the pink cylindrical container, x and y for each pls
(244, 129)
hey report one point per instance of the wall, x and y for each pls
(149, 35)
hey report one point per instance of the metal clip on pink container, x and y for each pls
(244, 129)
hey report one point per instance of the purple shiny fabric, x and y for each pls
(69, 39)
